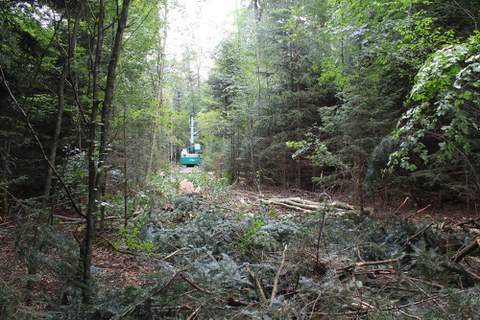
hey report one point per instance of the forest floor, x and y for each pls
(223, 254)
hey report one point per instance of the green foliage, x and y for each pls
(446, 102)
(220, 245)
(253, 237)
(134, 239)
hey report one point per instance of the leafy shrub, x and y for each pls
(134, 239)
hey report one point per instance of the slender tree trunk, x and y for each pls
(68, 56)
(108, 100)
(56, 140)
(297, 133)
(161, 70)
(45, 215)
(125, 169)
(97, 176)
(5, 207)
(86, 249)
(360, 174)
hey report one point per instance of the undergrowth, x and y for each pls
(204, 255)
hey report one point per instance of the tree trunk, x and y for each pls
(161, 68)
(97, 176)
(86, 249)
(61, 106)
(45, 216)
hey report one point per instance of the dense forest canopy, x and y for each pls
(372, 101)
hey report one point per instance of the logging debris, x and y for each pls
(306, 206)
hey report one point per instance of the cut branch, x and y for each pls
(277, 277)
(367, 263)
(472, 246)
(193, 284)
(258, 285)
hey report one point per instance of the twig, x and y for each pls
(362, 305)
(142, 301)
(411, 304)
(258, 285)
(24, 207)
(473, 275)
(472, 246)
(193, 284)
(277, 277)
(78, 220)
(409, 315)
(419, 232)
(319, 240)
(403, 203)
(366, 263)
(195, 313)
(174, 253)
(233, 301)
(115, 248)
(417, 212)
(439, 305)
(315, 305)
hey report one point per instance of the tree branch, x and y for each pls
(277, 277)
(42, 150)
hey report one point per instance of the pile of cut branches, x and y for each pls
(264, 264)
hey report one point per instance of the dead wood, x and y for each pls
(277, 276)
(462, 253)
(417, 212)
(420, 232)
(235, 302)
(403, 203)
(195, 314)
(288, 203)
(258, 285)
(193, 284)
(366, 263)
(69, 219)
(304, 205)
(310, 205)
(115, 248)
(174, 253)
(341, 205)
(140, 302)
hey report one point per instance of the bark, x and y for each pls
(277, 277)
(306, 206)
(161, 70)
(125, 171)
(97, 176)
(5, 208)
(68, 56)
(86, 248)
(472, 246)
(108, 100)
(46, 216)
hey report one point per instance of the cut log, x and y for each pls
(280, 202)
(304, 205)
(342, 205)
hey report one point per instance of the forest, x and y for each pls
(340, 161)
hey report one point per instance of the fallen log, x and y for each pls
(281, 202)
(304, 205)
